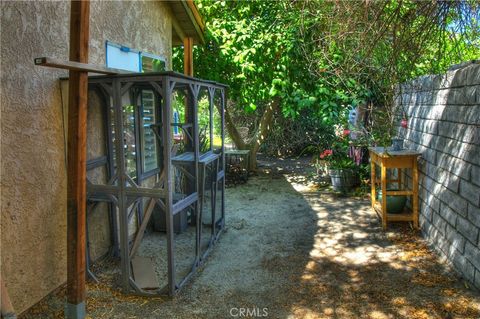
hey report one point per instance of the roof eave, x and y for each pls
(187, 22)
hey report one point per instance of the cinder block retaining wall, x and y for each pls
(443, 114)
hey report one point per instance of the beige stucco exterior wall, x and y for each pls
(33, 171)
(98, 219)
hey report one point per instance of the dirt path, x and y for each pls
(291, 251)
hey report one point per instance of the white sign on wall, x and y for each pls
(122, 57)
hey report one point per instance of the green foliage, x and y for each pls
(336, 156)
(244, 40)
(255, 48)
(366, 48)
(320, 57)
(306, 134)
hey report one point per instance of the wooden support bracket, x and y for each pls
(77, 66)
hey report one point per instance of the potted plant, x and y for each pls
(341, 167)
(342, 170)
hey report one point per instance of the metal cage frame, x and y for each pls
(121, 190)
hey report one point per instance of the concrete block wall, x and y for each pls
(443, 113)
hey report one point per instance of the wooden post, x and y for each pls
(76, 161)
(400, 172)
(415, 192)
(6, 308)
(188, 56)
(188, 70)
(384, 193)
(373, 180)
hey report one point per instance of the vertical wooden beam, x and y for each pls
(400, 172)
(384, 193)
(6, 308)
(76, 161)
(415, 192)
(373, 179)
(188, 56)
(188, 70)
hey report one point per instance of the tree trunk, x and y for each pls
(233, 132)
(264, 129)
(261, 135)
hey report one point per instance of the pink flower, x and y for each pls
(346, 132)
(326, 153)
(404, 123)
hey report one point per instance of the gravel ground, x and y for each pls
(292, 250)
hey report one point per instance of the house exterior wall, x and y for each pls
(97, 219)
(443, 123)
(33, 168)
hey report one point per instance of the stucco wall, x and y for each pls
(98, 219)
(33, 172)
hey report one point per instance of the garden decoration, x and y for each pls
(397, 142)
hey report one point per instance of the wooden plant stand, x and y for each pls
(404, 159)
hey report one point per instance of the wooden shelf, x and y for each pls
(237, 152)
(399, 193)
(188, 157)
(405, 216)
(399, 160)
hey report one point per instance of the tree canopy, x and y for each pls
(316, 58)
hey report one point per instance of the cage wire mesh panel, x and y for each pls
(163, 164)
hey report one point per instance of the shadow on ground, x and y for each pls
(291, 251)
